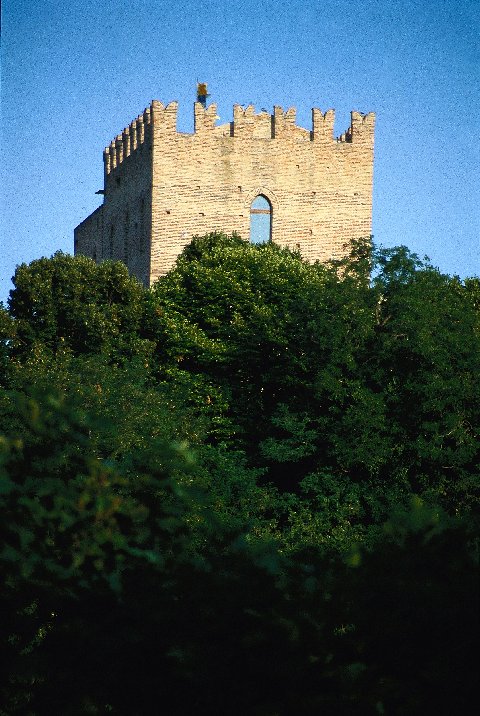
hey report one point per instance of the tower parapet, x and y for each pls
(362, 127)
(127, 142)
(246, 123)
(244, 120)
(164, 117)
(322, 125)
(284, 123)
(204, 117)
(140, 131)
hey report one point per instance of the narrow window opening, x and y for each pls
(260, 220)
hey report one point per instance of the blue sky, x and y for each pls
(75, 73)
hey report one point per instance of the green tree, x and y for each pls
(111, 603)
(7, 338)
(329, 373)
(196, 478)
(74, 301)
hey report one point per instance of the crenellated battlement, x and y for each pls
(164, 116)
(162, 119)
(204, 118)
(128, 141)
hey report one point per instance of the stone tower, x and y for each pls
(162, 186)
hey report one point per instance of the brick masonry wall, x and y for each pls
(121, 228)
(88, 235)
(320, 188)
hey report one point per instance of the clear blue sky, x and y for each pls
(75, 73)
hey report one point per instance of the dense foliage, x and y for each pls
(252, 489)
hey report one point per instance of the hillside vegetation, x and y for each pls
(252, 489)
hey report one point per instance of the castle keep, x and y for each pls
(162, 186)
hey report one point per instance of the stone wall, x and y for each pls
(88, 235)
(162, 187)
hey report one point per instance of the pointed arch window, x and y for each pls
(260, 220)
